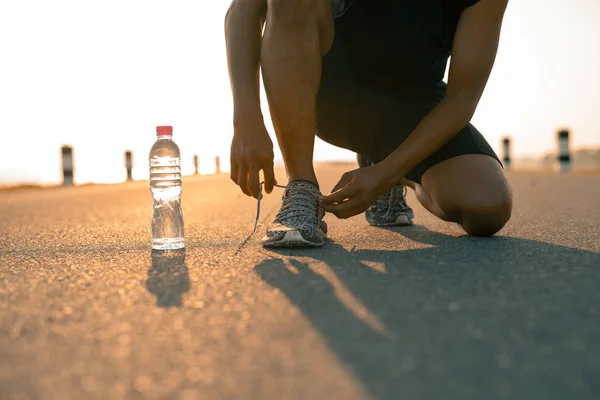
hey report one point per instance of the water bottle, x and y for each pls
(165, 185)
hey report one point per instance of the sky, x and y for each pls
(100, 75)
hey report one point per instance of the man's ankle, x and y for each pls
(302, 177)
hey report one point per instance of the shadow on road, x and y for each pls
(168, 277)
(466, 318)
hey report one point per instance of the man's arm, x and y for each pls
(243, 36)
(473, 55)
(251, 148)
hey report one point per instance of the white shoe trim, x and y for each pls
(292, 239)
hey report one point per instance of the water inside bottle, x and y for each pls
(167, 218)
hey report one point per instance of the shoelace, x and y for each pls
(260, 196)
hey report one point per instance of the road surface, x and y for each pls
(87, 311)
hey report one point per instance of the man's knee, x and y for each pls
(485, 216)
(299, 11)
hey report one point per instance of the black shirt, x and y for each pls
(406, 41)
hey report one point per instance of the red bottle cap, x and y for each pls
(164, 130)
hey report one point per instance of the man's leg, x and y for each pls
(470, 190)
(297, 34)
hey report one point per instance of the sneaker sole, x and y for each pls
(400, 221)
(293, 239)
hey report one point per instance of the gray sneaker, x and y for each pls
(299, 220)
(390, 209)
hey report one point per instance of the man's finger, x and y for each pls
(346, 209)
(253, 180)
(339, 196)
(269, 176)
(242, 180)
(344, 180)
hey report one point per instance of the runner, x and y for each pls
(367, 75)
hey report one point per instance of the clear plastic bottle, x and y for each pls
(165, 185)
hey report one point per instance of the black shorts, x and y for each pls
(373, 124)
(372, 115)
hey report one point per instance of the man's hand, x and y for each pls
(356, 191)
(251, 151)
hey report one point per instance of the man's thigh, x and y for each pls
(470, 182)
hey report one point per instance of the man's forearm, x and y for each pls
(243, 35)
(435, 130)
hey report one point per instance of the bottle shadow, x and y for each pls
(464, 318)
(168, 277)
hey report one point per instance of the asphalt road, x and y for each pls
(87, 311)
